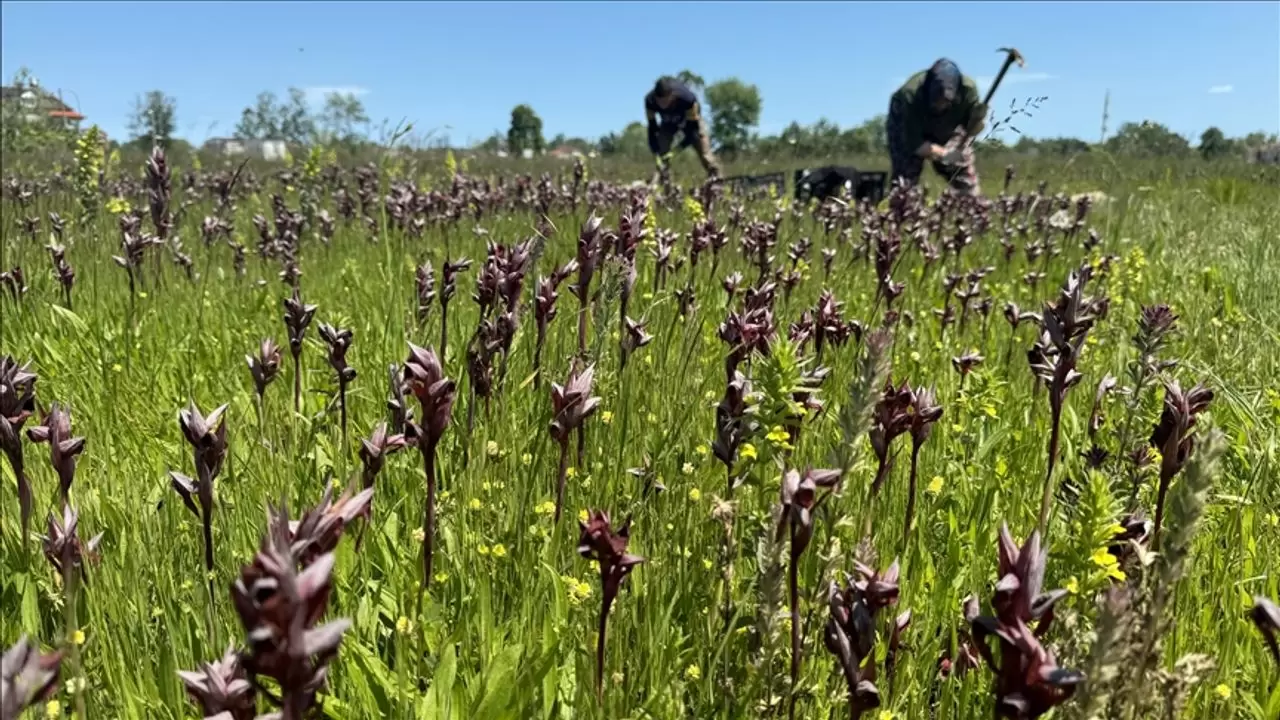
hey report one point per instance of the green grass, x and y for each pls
(506, 631)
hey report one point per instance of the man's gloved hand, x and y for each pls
(953, 156)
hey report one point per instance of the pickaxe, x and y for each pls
(1011, 56)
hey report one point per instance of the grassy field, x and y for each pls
(508, 625)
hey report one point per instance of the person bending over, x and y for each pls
(679, 112)
(934, 116)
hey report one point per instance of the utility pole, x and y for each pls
(1106, 107)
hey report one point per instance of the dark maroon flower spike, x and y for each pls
(424, 377)
(297, 317)
(1174, 438)
(924, 411)
(1053, 359)
(733, 425)
(425, 279)
(398, 408)
(731, 283)
(966, 653)
(798, 502)
(589, 251)
(1029, 682)
(158, 190)
(63, 448)
(571, 404)
(964, 364)
(14, 281)
(62, 270)
(279, 608)
(222, 689)
(1015, 317)
(62, 546)
(448, 287)
(265, 366)
(208, 439)
(339, 342)
(544, 309)
(319, 530)
(600, 542)
(890, 419)
(375, 449)
(1266, 615)
(631, 232)
(634, 337)
(850, 632)
(17, 403)
(27, 677)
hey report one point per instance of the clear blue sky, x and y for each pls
(584, 67)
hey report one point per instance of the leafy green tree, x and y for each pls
(632, 142)
(153, 120)
(1214, 144)
(526, 130)
(735, 112)
(1147, 139)
(692, 80)
(343, 119)
(270, 119)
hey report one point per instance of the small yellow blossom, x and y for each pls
(617, 678)
(571, 473)
(606, 417)
(915, 356)
(709, 395)
(695, 494)
(440, 577)
(693, 672)
(526, 459)
(491, 448)
(935, 485)
(707, 564)
(475, 504)
(778, 435)
(53, 709)
(117, 367)
(1223, 691)
(1108, 562)
(701, 450)
(546, 507)
(1273, 519)
(483, 550)
(1073, 585)
(687, 468)
(577, 589)
(651, 417)
(404, 625)
(648, 359)
(582, 515)
(77, 637)
(419, 535)
(886, 715)
(747, 451)
(499, 550)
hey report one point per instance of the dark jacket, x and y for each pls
(682, 110)
(909, 111)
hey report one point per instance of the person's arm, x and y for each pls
(652, 115)
(913, 129)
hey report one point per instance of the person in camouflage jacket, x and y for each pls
(934, 116)
(672, 103)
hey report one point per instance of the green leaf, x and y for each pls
(376, 678)
(30, 605)
(71, 317)
(499, 686)
(440, 695)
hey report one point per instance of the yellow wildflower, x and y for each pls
(747, 451)
(526, 459)
(53, 709)
(1108, 562)
(687, 468)
(935, 485)
(546, 507)
(475, 504)
(701, 449)
(1073, 585)
(499, 550)
(77, 637)
(695, 494)
(1223, 691)
(419, 534)
(404, 625)
(651, 417)
(483, 550)
(582, 515)
(693, 672)
(778, 435)
(491, 448)
(571, 472)
(440, 577)
(606, 417)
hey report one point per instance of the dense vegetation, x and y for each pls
(564, 447)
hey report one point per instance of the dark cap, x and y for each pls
(943, 81)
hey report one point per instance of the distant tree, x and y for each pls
(1147, 139)
(1214, 144)
(269, 119)
(493, 143)
(153, 120)
(633, 142)
(557, 141)
(526, 130)
(343, 119)
(692, 80)
(735, 112)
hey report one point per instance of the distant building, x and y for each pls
(1266, 155)
(565, 152)
(31, 103)
(258, 149)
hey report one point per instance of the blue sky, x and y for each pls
(584, 67)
